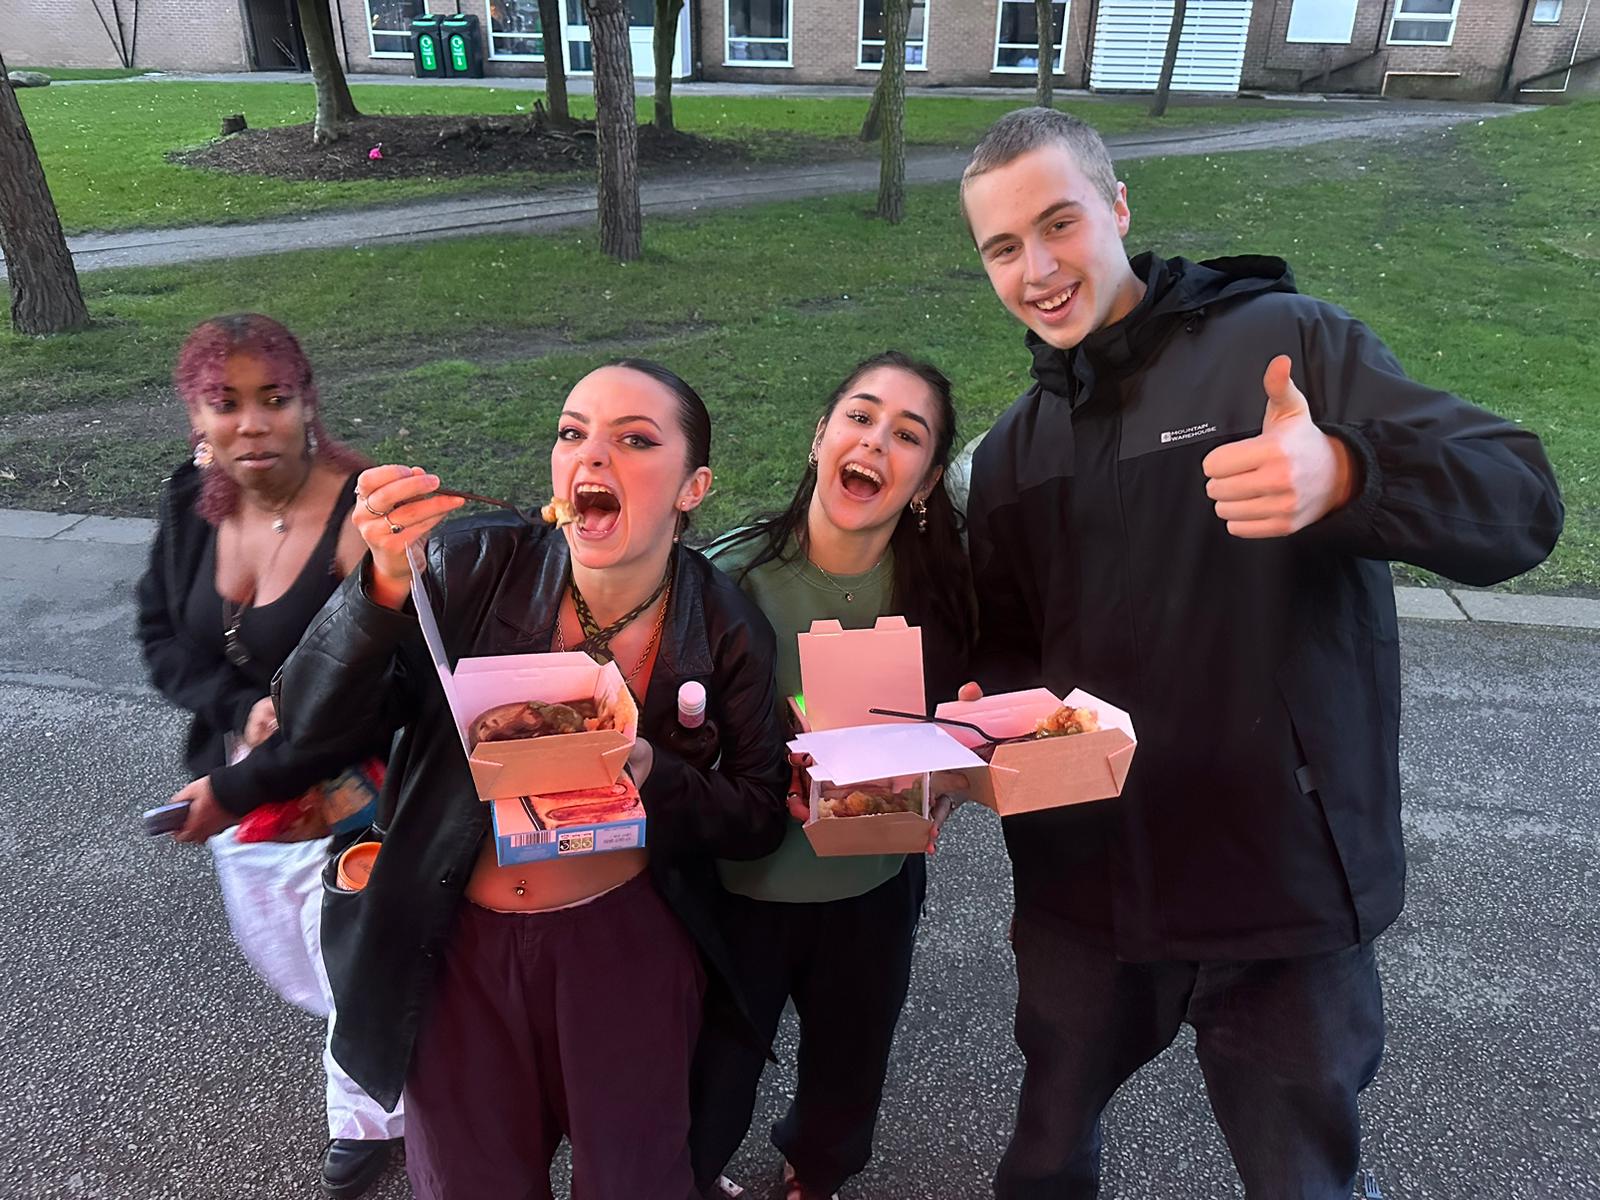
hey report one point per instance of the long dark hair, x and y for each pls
(932, 580)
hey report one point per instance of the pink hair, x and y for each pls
(198, 379)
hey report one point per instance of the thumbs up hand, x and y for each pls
(1289, 476)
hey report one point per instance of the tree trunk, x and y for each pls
(45, 297)
(872, 123)
(555, 62)
(666, 47)
(892, 167)
(1044, 94)
(335, 106)
(1158, 107)
(621, 222)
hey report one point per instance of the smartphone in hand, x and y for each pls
(166, 818)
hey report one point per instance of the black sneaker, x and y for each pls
(352, 1165)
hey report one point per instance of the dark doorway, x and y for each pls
(276, 43)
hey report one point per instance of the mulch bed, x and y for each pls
(442, 147)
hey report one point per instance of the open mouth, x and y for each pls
(1055, 306)
(860, 480)
(598, 508)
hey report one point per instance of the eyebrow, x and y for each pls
(997, 239)
(583, 420)
(906, 413)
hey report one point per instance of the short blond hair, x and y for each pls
(1027, 129)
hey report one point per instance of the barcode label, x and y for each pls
(536, 838)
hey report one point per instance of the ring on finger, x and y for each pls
(366, 502)
(394, 526)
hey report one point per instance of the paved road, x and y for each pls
(140, 1060)
(567, 206)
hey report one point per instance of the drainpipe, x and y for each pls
(344, 36)
(1088, 42)
(1511, 59)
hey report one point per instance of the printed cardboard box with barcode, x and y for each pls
(1028, 772)
(865, 762)
(568, 824)
(538, 768)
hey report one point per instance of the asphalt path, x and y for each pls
(139, 1058)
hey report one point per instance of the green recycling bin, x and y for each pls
(463, 46)
(427, 47)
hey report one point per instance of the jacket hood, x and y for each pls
(1177, 291)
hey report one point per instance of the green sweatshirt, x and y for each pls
(793, 594)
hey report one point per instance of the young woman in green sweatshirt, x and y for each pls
(870, 532)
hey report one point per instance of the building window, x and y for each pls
(1546, 12)
(1323, 22)
(1423, 23)
(869, 53)
(514, 30)
(389, 25)
(758, 33)
(1016, 39)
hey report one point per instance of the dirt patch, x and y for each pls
(443, 147)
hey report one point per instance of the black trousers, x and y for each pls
(1285, 1045)
(847, 965)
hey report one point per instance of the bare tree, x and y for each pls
(1044, 94)
(616, 121)
(892, 165)
(555, 62)
(872, 123)
(666, 47)
(45, 297)
(1158, 107)
(335, 106)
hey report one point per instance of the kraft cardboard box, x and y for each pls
(1035, 773)
(844, 674)
(530, 766)
(569, 824)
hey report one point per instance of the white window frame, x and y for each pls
(787, 40)
(1448, 19)
(1538, 20)
(862, 43)
(372, 46)
(489, 36)
(1061, 50)
(1349, 33)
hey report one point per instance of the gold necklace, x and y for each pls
(649, 647)
(849, 596)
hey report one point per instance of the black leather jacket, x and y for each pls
(496, 589)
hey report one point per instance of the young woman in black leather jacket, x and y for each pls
(564, 998)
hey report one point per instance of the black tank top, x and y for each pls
(269, 632)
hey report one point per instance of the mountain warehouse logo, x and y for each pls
(1184, 435)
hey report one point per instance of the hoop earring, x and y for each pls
(204, 455)
(812, 461)
(312, 443)
(920, 507)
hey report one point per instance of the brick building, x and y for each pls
(1442, 48)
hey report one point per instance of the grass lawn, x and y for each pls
(1476, 255)
(104, 147)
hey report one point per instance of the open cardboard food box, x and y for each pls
(845, 673)
(535, 768)
(1025, 776)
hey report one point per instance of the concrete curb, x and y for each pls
(1412, 603)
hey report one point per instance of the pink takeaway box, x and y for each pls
(1025, 776)
(845, 673)
(531, 766)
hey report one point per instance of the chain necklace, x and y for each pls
(280, 526)
(665, 594)
(848, 593)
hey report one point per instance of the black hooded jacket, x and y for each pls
(1261, 817)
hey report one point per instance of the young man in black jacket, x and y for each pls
(1206, 546)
